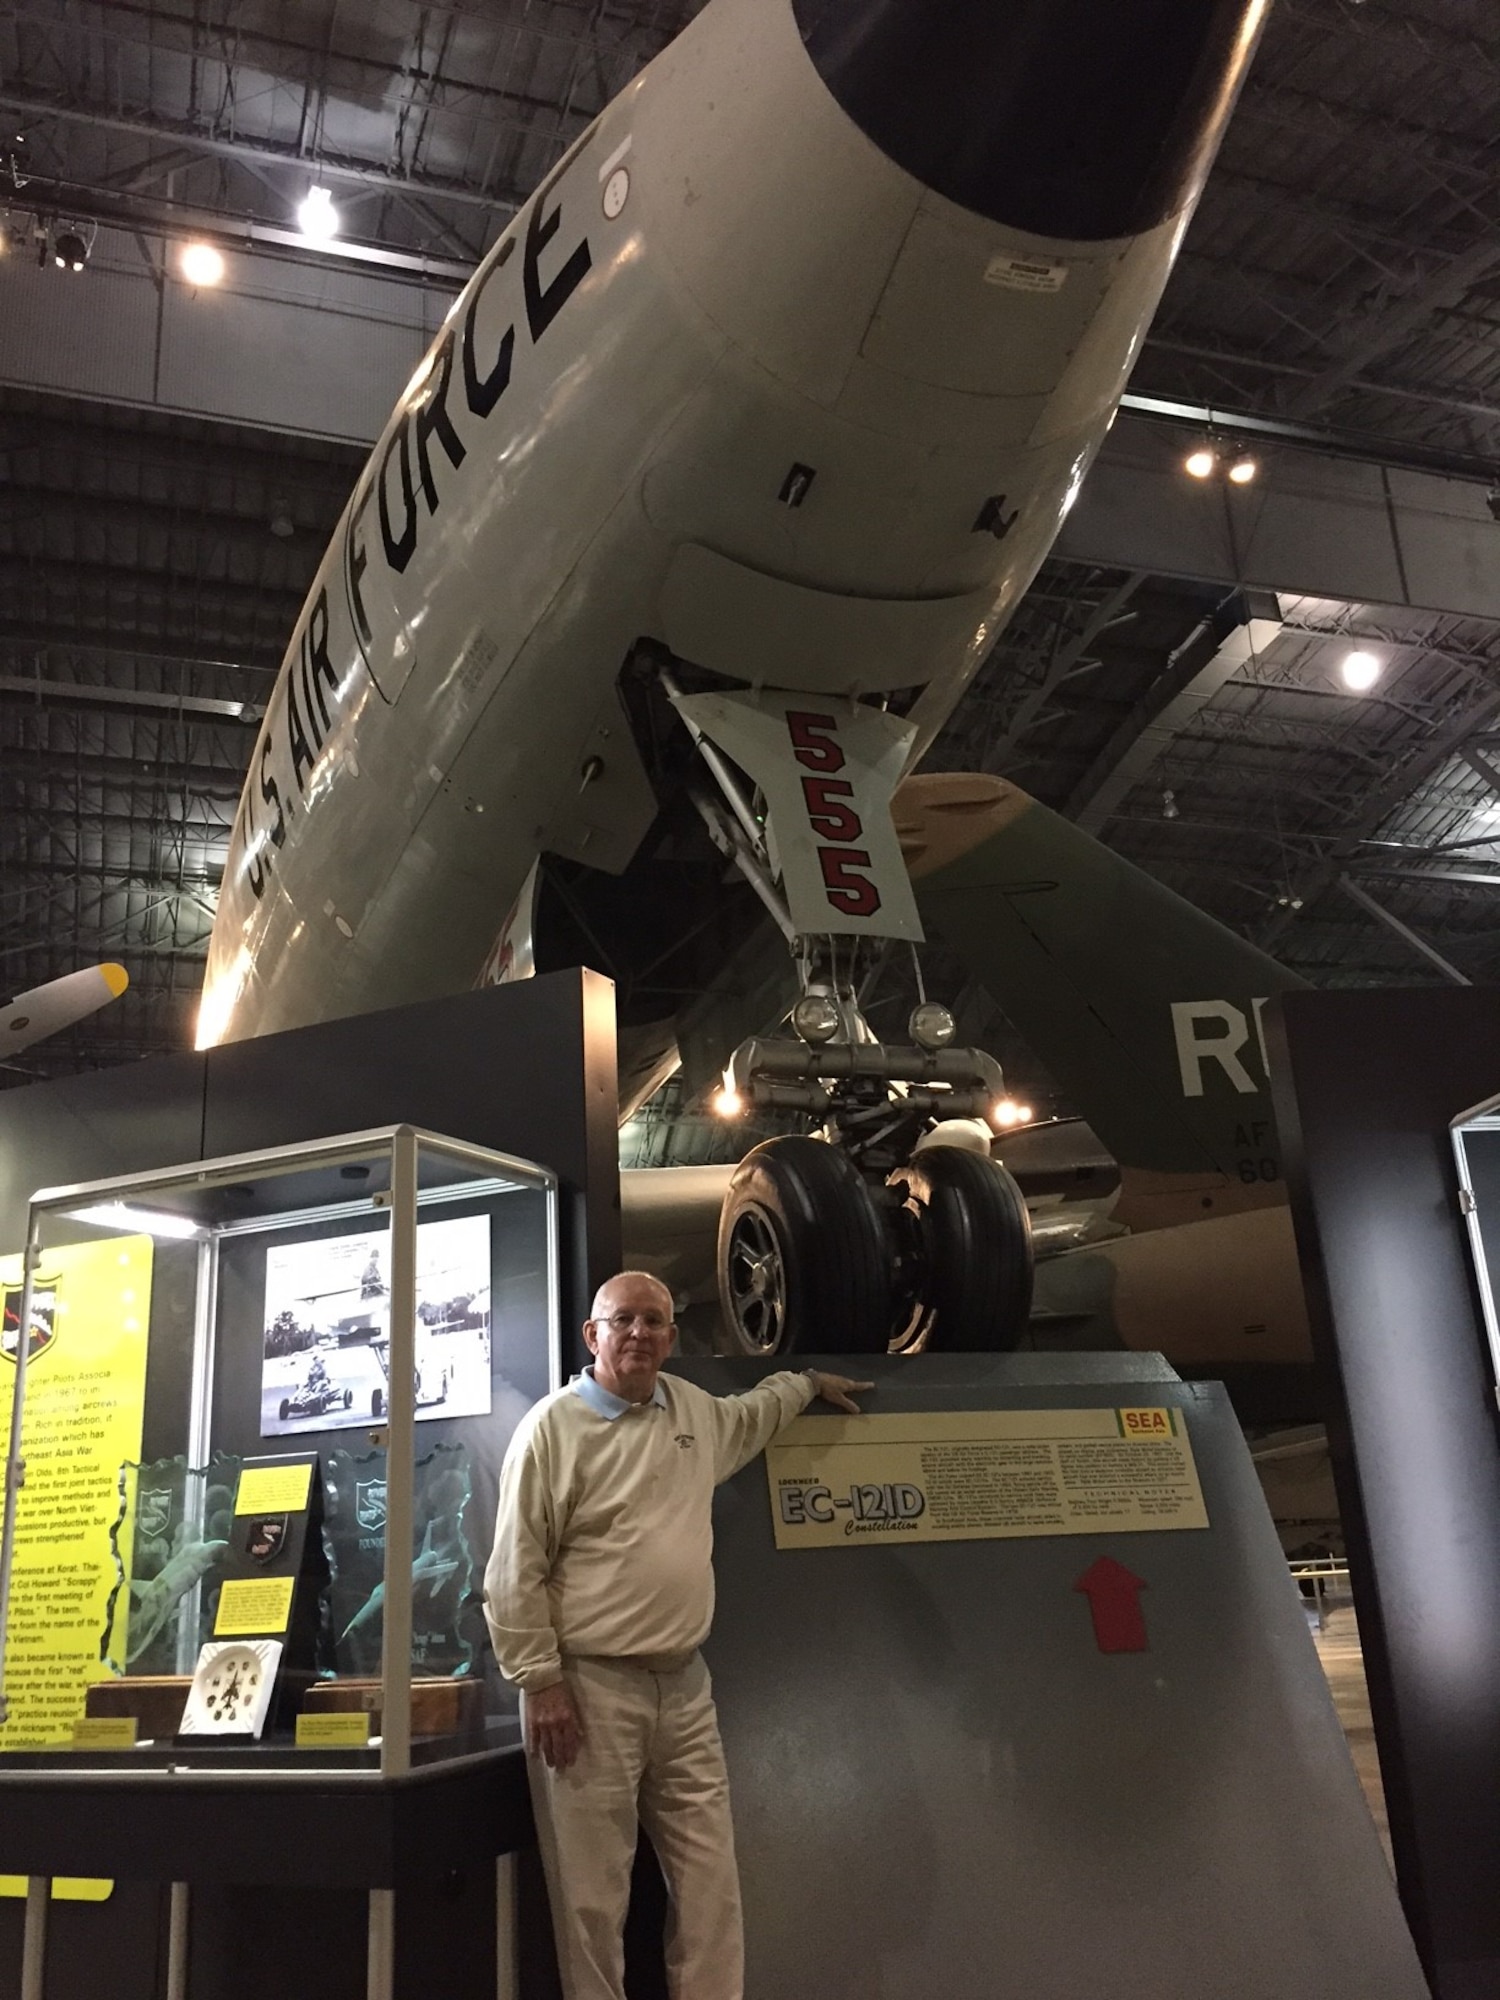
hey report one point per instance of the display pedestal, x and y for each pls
(260, 1829)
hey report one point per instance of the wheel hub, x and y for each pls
(757, 1281)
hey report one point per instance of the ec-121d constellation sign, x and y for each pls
(974, 1475)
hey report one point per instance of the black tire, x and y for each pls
(286, 1409)
(377, 1403)
(972, 1249)
(804, 1261)
(348, 1399)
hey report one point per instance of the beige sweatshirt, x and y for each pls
(604, 1536)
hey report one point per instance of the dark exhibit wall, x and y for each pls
(1366, 1086)
(527, 1069)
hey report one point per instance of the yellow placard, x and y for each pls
(273, 1489)
(65, 1888)
(105, 1732)
(341, 1729)
(253, 1606)
(85, 1394)
(976, 1475)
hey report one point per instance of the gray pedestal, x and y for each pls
(943, 1786)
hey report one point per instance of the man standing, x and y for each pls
(598, 1594)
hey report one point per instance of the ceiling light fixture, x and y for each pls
(143, 1221)
(1201, 462)
(69, 251)
(1242, 470)
(202, 264)
(317, 217)
(1360, 671)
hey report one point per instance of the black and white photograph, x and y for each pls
(327, 1328)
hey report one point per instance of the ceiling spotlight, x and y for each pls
(1169, 806)
(728, 1103)
(317, 217)
(1007, 1113)
(69, 251)
(202, 264)
(1242, 470)
(282, 525)
(1200, 463)
(1360, 671)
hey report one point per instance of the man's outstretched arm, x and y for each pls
(749, 1422)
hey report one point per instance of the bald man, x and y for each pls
(599, 1593)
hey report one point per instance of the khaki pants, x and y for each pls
(651, 1756)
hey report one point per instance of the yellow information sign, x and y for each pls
(253, 1606)
(273, 1489)
(342, 1729)
(975, 1475)
(85, 1394)
(65, 1888)
(104, 1732)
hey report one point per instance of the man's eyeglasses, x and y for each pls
(622, 1321)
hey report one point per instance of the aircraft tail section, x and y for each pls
(1144, 1009)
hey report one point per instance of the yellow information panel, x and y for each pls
(253, 1606)
(976, 1475)
(85, 1394)
(273, 1489)
(343, 1730)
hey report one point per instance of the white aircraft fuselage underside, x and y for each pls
(733, 381)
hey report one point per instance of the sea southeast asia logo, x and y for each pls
(43, 1321)
(369, 1503)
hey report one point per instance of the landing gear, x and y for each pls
(804, 1259)
(851, 1241)
(966, 1241)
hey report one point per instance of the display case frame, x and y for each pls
(400, 1157)
(1478, 1186)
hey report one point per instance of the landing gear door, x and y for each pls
(827, 770)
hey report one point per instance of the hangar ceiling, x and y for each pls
(1341, 282)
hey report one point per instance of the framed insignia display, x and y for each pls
(232, 1687)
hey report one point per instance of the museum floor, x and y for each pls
(1339, 1650)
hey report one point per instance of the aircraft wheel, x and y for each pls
(969, 1238)
(286, 1409)
(377, 1403)
(803, 1257)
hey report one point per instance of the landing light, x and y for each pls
(816, 1019)
(728, 1103)
(931, 1026)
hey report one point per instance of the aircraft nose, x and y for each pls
(1080, 119)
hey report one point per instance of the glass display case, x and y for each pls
(1476, 1147)
(256, 1415)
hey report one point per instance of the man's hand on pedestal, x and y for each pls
(554, 1730)
(836, 1389)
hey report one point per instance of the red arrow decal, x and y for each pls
(1113, 1593)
